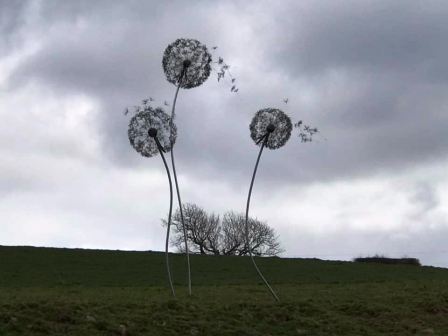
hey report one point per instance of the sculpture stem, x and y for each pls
(169, 217)
(177, 185)
(247, 221)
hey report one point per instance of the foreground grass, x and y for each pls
(79, 292)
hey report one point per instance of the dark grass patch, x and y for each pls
(124, 293)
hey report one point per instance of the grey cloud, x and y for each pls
(426, 196)
(377, 116)
(395, 36)
(373, 66)
(116, 59)
(12, 18)
(425, 201)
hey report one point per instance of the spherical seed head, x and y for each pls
(190, 58)
(145, 125)
(274, 122)
(152, 132)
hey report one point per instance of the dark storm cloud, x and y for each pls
(377, 70)
(392, 54)
(398, 36)
(115, 58)
(380, 73)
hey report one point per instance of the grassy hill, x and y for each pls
(46, 291)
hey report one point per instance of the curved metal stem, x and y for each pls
(247, 221)
(177, 185)
(169, 218)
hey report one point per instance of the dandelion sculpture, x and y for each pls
(269, 128)
(187, 64)
(151, 131)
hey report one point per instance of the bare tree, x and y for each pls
(233, 239)
(208, 234)
(262, 238)
(202, 229)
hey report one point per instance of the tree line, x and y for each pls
(209, 233)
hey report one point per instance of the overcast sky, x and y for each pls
(372, 75)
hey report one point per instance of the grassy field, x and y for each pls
(47, 291)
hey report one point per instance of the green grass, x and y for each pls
(90, 292)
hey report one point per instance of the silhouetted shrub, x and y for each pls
(385, 260)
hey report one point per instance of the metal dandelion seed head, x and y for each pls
(274, 124)
(187, 61)
(148, 124)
